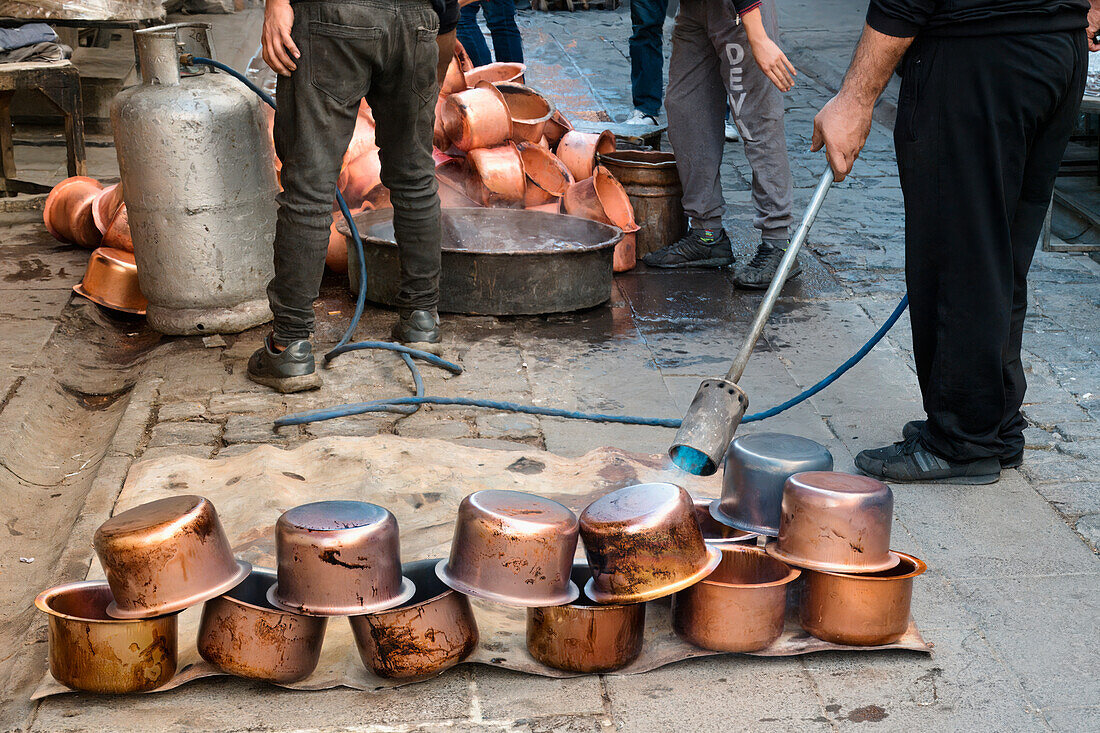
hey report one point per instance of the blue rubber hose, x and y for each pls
(408, 405)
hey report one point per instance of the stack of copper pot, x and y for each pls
(82, 211)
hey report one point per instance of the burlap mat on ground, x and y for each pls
(421, 482)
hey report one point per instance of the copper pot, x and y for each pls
(551, 207)
(512, 548)
(837, 522)
(455, 80)
(106, 203)
(166, 555)
(111, 280)
(93, 652)
(497, 177)
(556, 128)
(432, 632)
(359, 177)
(601, 198)
(498, 71)
(338, 558)
(68, 212)
(737, 608)
(462, 57)
(585, 637)
(530, 111)
(716, 533)
(452, 195)
(477, 118)
(756, 470)
(242, 634)
(547, 177)
(440, 141)
(336, 255)
(860, 610)
(643, 542)
(578, 150)
(117, 235)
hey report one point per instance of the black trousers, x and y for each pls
(982, 125)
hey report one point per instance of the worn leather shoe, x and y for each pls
(914, 427)
(419, 330)
(908, 461)
(697, 248)
(289, 370)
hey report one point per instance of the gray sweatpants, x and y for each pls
(711, 64)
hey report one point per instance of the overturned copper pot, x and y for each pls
(512, 548)
(578, 151)
(117, 235)
(498, 71)
(716, 533)
(860, 610)
(556, 128)
(643, 542)
(585, 637)
(338, 558)
(106, 203)
(547, 177)
(93, 652)
(242, 634)
(359, 177)
(530, 111)
(737, 608)
(602, 198)
(69, 213)
(166, 555)
(432, 632)
(111, 281)
(477, 118)
(497, 177)
(836, 522)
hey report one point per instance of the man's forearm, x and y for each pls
(875, 59)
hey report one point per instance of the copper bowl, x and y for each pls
(578, 150)
(497, 177)
(477, 118)
(498, 71)
(530, 111)
(601, 198)
(556, 128)
(837, 522)
(111, 280)
(547, 177)
(860, 610)
(583, 636)
(756, 469)
(93, 652)
(105, 204)
(643, 542)
(69, 213)
(737, 608)
(242, 634)
(512, 548)
(166, 555)
(338, 558)
(432, 632)
(716, 533)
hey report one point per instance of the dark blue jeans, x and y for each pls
(647, 62)
(500, 17)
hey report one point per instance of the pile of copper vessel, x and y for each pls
(728, 585)
(82, 211)
(497, 143)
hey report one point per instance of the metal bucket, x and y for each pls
(497, 261)
(653, 185)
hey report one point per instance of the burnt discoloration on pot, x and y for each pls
(243, 634)
(93, 652)
(513, 548)
(338, 558)
(585, 637)
(737, 608)
(166, 555)
(643, 542)
(432, 632)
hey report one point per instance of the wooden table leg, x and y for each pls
(7, 152)
(67, 99)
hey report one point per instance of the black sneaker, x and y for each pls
(289, 370)
(908, 461)
(757, 274)
(419, 330)
(914, 427)
(697, 248)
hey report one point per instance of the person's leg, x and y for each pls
(695, 104)
(647, 63)
(403, 99)
(471, 37)
(500, 18)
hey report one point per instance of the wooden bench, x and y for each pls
(59, 82)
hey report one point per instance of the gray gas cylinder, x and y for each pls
(199, 185)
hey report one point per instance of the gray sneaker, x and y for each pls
(757, 273)
(419, 330)
(289, 370)
(697, 248)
